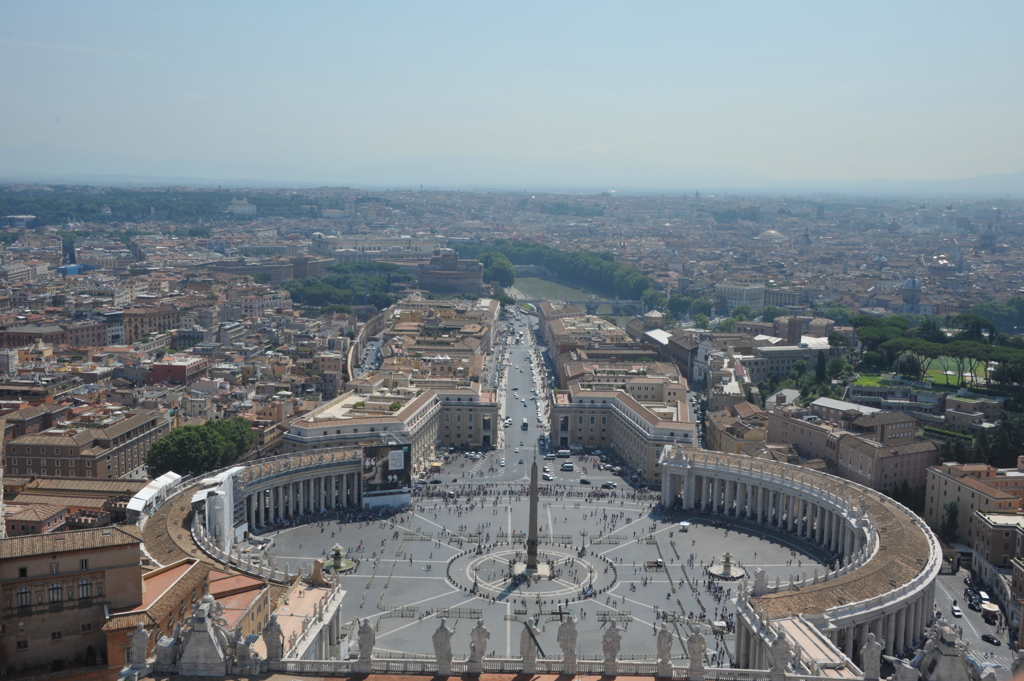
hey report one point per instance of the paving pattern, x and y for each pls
(450, 558)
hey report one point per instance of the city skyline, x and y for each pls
(798, 97)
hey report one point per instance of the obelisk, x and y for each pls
(531, 536)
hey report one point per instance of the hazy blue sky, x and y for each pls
(513, 93)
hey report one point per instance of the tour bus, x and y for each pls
(526, 424)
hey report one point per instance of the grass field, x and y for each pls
(938, 369)
(534, 287)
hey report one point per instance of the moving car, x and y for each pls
(548, 476)
(584, 481)
(501, 462)
(609, 485)
(520, 461)
(989, 638)
(957, 612)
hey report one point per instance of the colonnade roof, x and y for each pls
(903, 552)
(903, 545)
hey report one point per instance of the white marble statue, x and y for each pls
(478, 641)
(442, 639)
(567, 641)
(664, 645)
(611, 644)
(871, 659)
(273, 637)
(695, 647)
(140, 646)
(528, 646)
(367, 639)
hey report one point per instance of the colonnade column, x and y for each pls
(760, 504)
(251, 503)
(890, 633)
(848, 646)
(900, 632)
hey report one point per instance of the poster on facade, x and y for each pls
(386, 469)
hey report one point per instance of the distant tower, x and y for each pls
(821, 212)
(804, 244)
(987, 241)
(912, 296)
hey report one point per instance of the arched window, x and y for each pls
(24, 597)
(85, 589)
(56, 593)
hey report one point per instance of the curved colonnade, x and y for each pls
(889, 558)
(288, 486)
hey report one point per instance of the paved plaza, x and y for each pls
(451, 557)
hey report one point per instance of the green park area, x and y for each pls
(535, 287)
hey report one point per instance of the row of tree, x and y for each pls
(351, 284)
(194, 450)
(594, 271)
(54, 206)
(999, 449)
(890, 342)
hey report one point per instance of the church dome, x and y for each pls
(912, 284)
(771, 235)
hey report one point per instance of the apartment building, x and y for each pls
(727, 430)
(57, 588)
(877, 449)
(102, 443)
(634, 418)
(140, 322)
(974, 487)
(780, 359)
(369, 412)
(729, 296)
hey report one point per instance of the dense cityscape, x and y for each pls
(198, 383)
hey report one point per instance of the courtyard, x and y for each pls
(453, 554)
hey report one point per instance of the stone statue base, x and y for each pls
(362, 666)
(475, 667)
(664, 671)
(444, 669)
(543, 570)
(611, 668)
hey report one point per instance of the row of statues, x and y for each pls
(530, 648)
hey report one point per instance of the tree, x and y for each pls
(839, 314)
(982, 451)
(702, 306)
(727, 325)
(959, 451)
(679, 305)
(498, 268)
(837, 339)
(742, 313)
(653, 299)
(930, 331)
(950, 525)
(700, 320)
(820, 368)
(194, 450)
(770, 312)
(836, 367)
